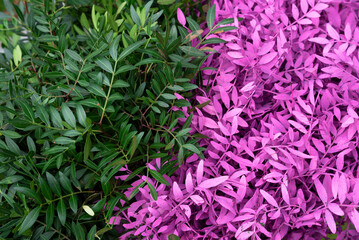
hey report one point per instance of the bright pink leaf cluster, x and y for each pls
(282, 153)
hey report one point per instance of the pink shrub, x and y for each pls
(282, 153)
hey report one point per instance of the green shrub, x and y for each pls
(89, 89)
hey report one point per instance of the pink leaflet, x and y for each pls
(213, 182)
(244, 235)
(267, 46)
(304, 6)
(354, 217)
(348, 32)
(285, 194)
(199, 173)
(319, 40)
(321, 191)
(356, 192)
(298, 126)
(301, 117)
(295, 12)
(189, 183)
(271, 152)
(320, 6)
(197, 199)
(115, 220)
(305, 21)
(298, 153)
(177, 192)
(332, 32)
(268, 198)
(342, 190)
(224, 129)
(313, 14)
(234, 125)
(330, 221)
(224, 97)
(334, 208)
(249, 86)
(267, 58)
(218, 146)
(263, 230)
(319, 145)
(181, 18)
(232, 113)
(335, 185)
(226, 203)
(235, 54)
(208, 122)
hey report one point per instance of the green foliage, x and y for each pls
(90, 89)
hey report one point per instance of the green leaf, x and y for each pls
(159, 177)
(87, 147)
(31, 144)
(74, 55)
(65, 182)
(17, 55)
(135, 173)
(10, 134)
(50, 214)
(168, 96)
(114, 47)
(224, 29)
(125, 68)
(120, 84)
(173, 237)
(61, 211)
(134, 16)
(56, 118)
(104, 64)
(214, 41)
(45, 189)
(130, 49)
(29, 193)
(29, 220)
(92, 233)
(183, 132)
(81, 115)
(152, 191)
(64, 140)
(211, 15)
(180, 156)
(43, 115)
(192, 148)
(90, 103)
(54, 184)
(73, 203)
(55, 149)
(48, 38)
(68, 115)
(191, 51)
(165, 2)
(148, 61)
(27, 110)
(97, 90)
(11, 179)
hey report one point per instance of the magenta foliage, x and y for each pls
(282, 153)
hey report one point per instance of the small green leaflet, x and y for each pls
(211, 15)
(81, 115)
(29, 220)
(11, 179)
(74, 55)
(43, 115)
(97, 90)
(28, 192)
(114, 47)
(50, 214)
(64, 140)
(168, 96)
(127, 51)
(10, 134)
(27, 110)
(165, 2)
(68, 115)
(61, 212)
(156, 175)
(104, 64)
(17, 55)
(120, 84)
(152, 191)
(192, 148)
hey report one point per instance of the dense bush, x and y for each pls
(282, 153)
(86, 90)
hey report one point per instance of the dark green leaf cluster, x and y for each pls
(86, 90)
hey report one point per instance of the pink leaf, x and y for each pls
(342, 190)
(199, 173)
(213, 182)
(267, 46)
(319, 145)
(354, 217)
(224, 130)
(332, 32)
(181, 18)
(356, 192)
(197, 199)
(298, 126)
(208, 122)
(115, 220)
(269, 198)
(295, 12)
(305, 21)
(235, 54)
(320, 6)
(335, 185)
(334, 208)
(177, 192)
(319, 40)
(348, 32)
(304, 6)
(321, 191)
(189, 183)
(313, 14)
(330, 221)
(301, 117)
(285, 194)
(234, 125)
(267, 58)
